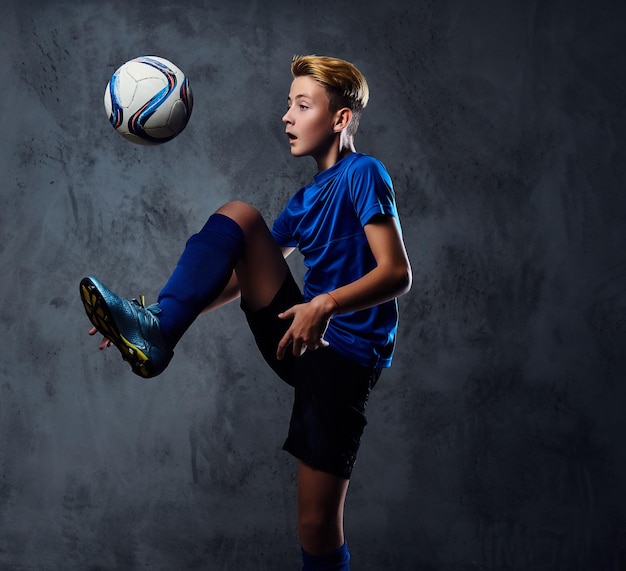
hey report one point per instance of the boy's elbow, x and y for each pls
(404, 279)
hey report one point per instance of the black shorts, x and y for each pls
(330, 391)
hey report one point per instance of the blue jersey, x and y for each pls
(325, 221)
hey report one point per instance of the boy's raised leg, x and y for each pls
(235, 238)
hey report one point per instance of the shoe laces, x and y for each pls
(153, 309)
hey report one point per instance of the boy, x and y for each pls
(329, 342)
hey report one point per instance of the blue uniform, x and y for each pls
(325, 221)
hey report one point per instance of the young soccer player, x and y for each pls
(329, 342)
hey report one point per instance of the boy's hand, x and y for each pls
(104, 343)
(310, 321)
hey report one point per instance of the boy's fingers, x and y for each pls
(291, 312)
(286, 314)
(282, 347)
(299, 349)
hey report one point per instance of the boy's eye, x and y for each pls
(300, 106)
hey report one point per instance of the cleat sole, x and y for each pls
(102, 319)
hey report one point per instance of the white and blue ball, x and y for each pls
(148, 100)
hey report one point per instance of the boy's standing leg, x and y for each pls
(321, 499)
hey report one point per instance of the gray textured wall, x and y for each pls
(495, 442)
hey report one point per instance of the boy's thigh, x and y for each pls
(268, 329)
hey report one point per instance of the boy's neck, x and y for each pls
(343, 147)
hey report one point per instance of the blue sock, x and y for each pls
(335, 561)
(200, 276)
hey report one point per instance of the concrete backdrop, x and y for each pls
(496, 440)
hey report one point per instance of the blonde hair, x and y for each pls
(345, 84)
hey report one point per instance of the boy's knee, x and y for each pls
(244, 214)
(309, 534)
(310, 523)
(238, 207)
(235, 202)
(317, 527)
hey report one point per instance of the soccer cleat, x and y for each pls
(133, 328)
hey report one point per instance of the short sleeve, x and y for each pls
(371, 190)
(281, 231)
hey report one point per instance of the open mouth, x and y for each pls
(291, 136)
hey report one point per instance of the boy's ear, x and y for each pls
(342, 119)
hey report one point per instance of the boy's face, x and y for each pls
(308, 121)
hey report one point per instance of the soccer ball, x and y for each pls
(148, 100)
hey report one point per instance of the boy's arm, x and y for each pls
(389, 279)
